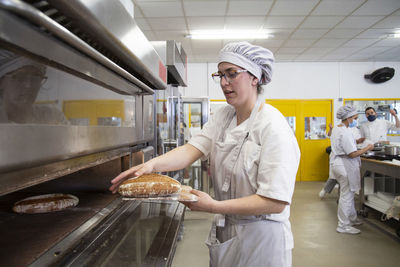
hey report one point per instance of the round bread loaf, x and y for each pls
(149, 185)
(45, 203)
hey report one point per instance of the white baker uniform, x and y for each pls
(259, 156)
(346, 171)
(376, 130)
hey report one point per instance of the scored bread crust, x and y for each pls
(45, 203)
(149, 185)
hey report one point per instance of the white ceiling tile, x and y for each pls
(210, 45)
(170, 35)
(329, 43)
(308, 57)
(205, 8)
(360, 42)
(284, 57)
(253, 23)
(344, 51)
(319, 22)
(337, 7)
(378, 7)
(343, 33)
(289, 22)
(309, 33)
(254, 8)
(372, 50)
(299, 43)
(161, 9)
(291, 50)
(389, 55)
(389, 42)
(167, 23)
(206, 23)
(361, 22)
(320, 51)
(292, 7)
(375, 33)
(143, 25)
(150, 35)
(269, 43)
(389, 22)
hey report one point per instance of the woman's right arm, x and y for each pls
(175, 159)
(358, 153)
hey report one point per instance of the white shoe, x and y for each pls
(348, 230)
(356, 222)
(322, 193)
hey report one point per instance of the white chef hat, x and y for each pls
(10, 62)
(255, 59)
(345, 112)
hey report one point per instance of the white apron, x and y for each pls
(352, 168)
(236, 240)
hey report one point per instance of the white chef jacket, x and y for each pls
(376, 130)
(342, 144)
(271, 144)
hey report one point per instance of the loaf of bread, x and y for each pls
(45, 203)
(149, 185)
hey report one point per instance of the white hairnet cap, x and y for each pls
(345, 112)
(10, 62)
(256, 59)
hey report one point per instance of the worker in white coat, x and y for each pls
(254, 158)
(376, 130)
(345, 168)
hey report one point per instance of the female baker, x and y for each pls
(254, 158)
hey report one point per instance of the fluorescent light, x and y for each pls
(396, 35)
(216, 35)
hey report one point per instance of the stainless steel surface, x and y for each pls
(108, 21)
(24, 177)
(60, 250)
(143, 235)
(37, 17)
(24, 146)
(392, 150)
(148, 117)
(176, 60)
(24, 237)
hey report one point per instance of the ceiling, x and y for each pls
(304, 30)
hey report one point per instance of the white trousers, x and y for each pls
(346, 209)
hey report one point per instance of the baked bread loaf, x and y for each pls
(45, 203)
(149, 185)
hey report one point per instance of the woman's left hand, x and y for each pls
(205, 203)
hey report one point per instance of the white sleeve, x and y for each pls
(279, 161)
(391, 126)
(347, 142)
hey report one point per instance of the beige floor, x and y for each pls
(316, 241)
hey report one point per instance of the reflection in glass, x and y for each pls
(381, 107)
(292, 123)
(315, 128)
(31, 92)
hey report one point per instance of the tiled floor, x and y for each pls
(316, 241)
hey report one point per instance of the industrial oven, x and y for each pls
(77, 107)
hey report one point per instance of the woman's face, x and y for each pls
(240, 89)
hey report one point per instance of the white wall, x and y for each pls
(306, 80)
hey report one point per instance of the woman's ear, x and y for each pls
(254, 82)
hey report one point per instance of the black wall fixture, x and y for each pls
(380, 75)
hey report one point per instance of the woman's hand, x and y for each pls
(130, 173)
(205, 203)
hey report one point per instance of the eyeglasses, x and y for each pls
(229, 75)
(28, 78)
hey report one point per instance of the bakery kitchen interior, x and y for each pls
(220, 132)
